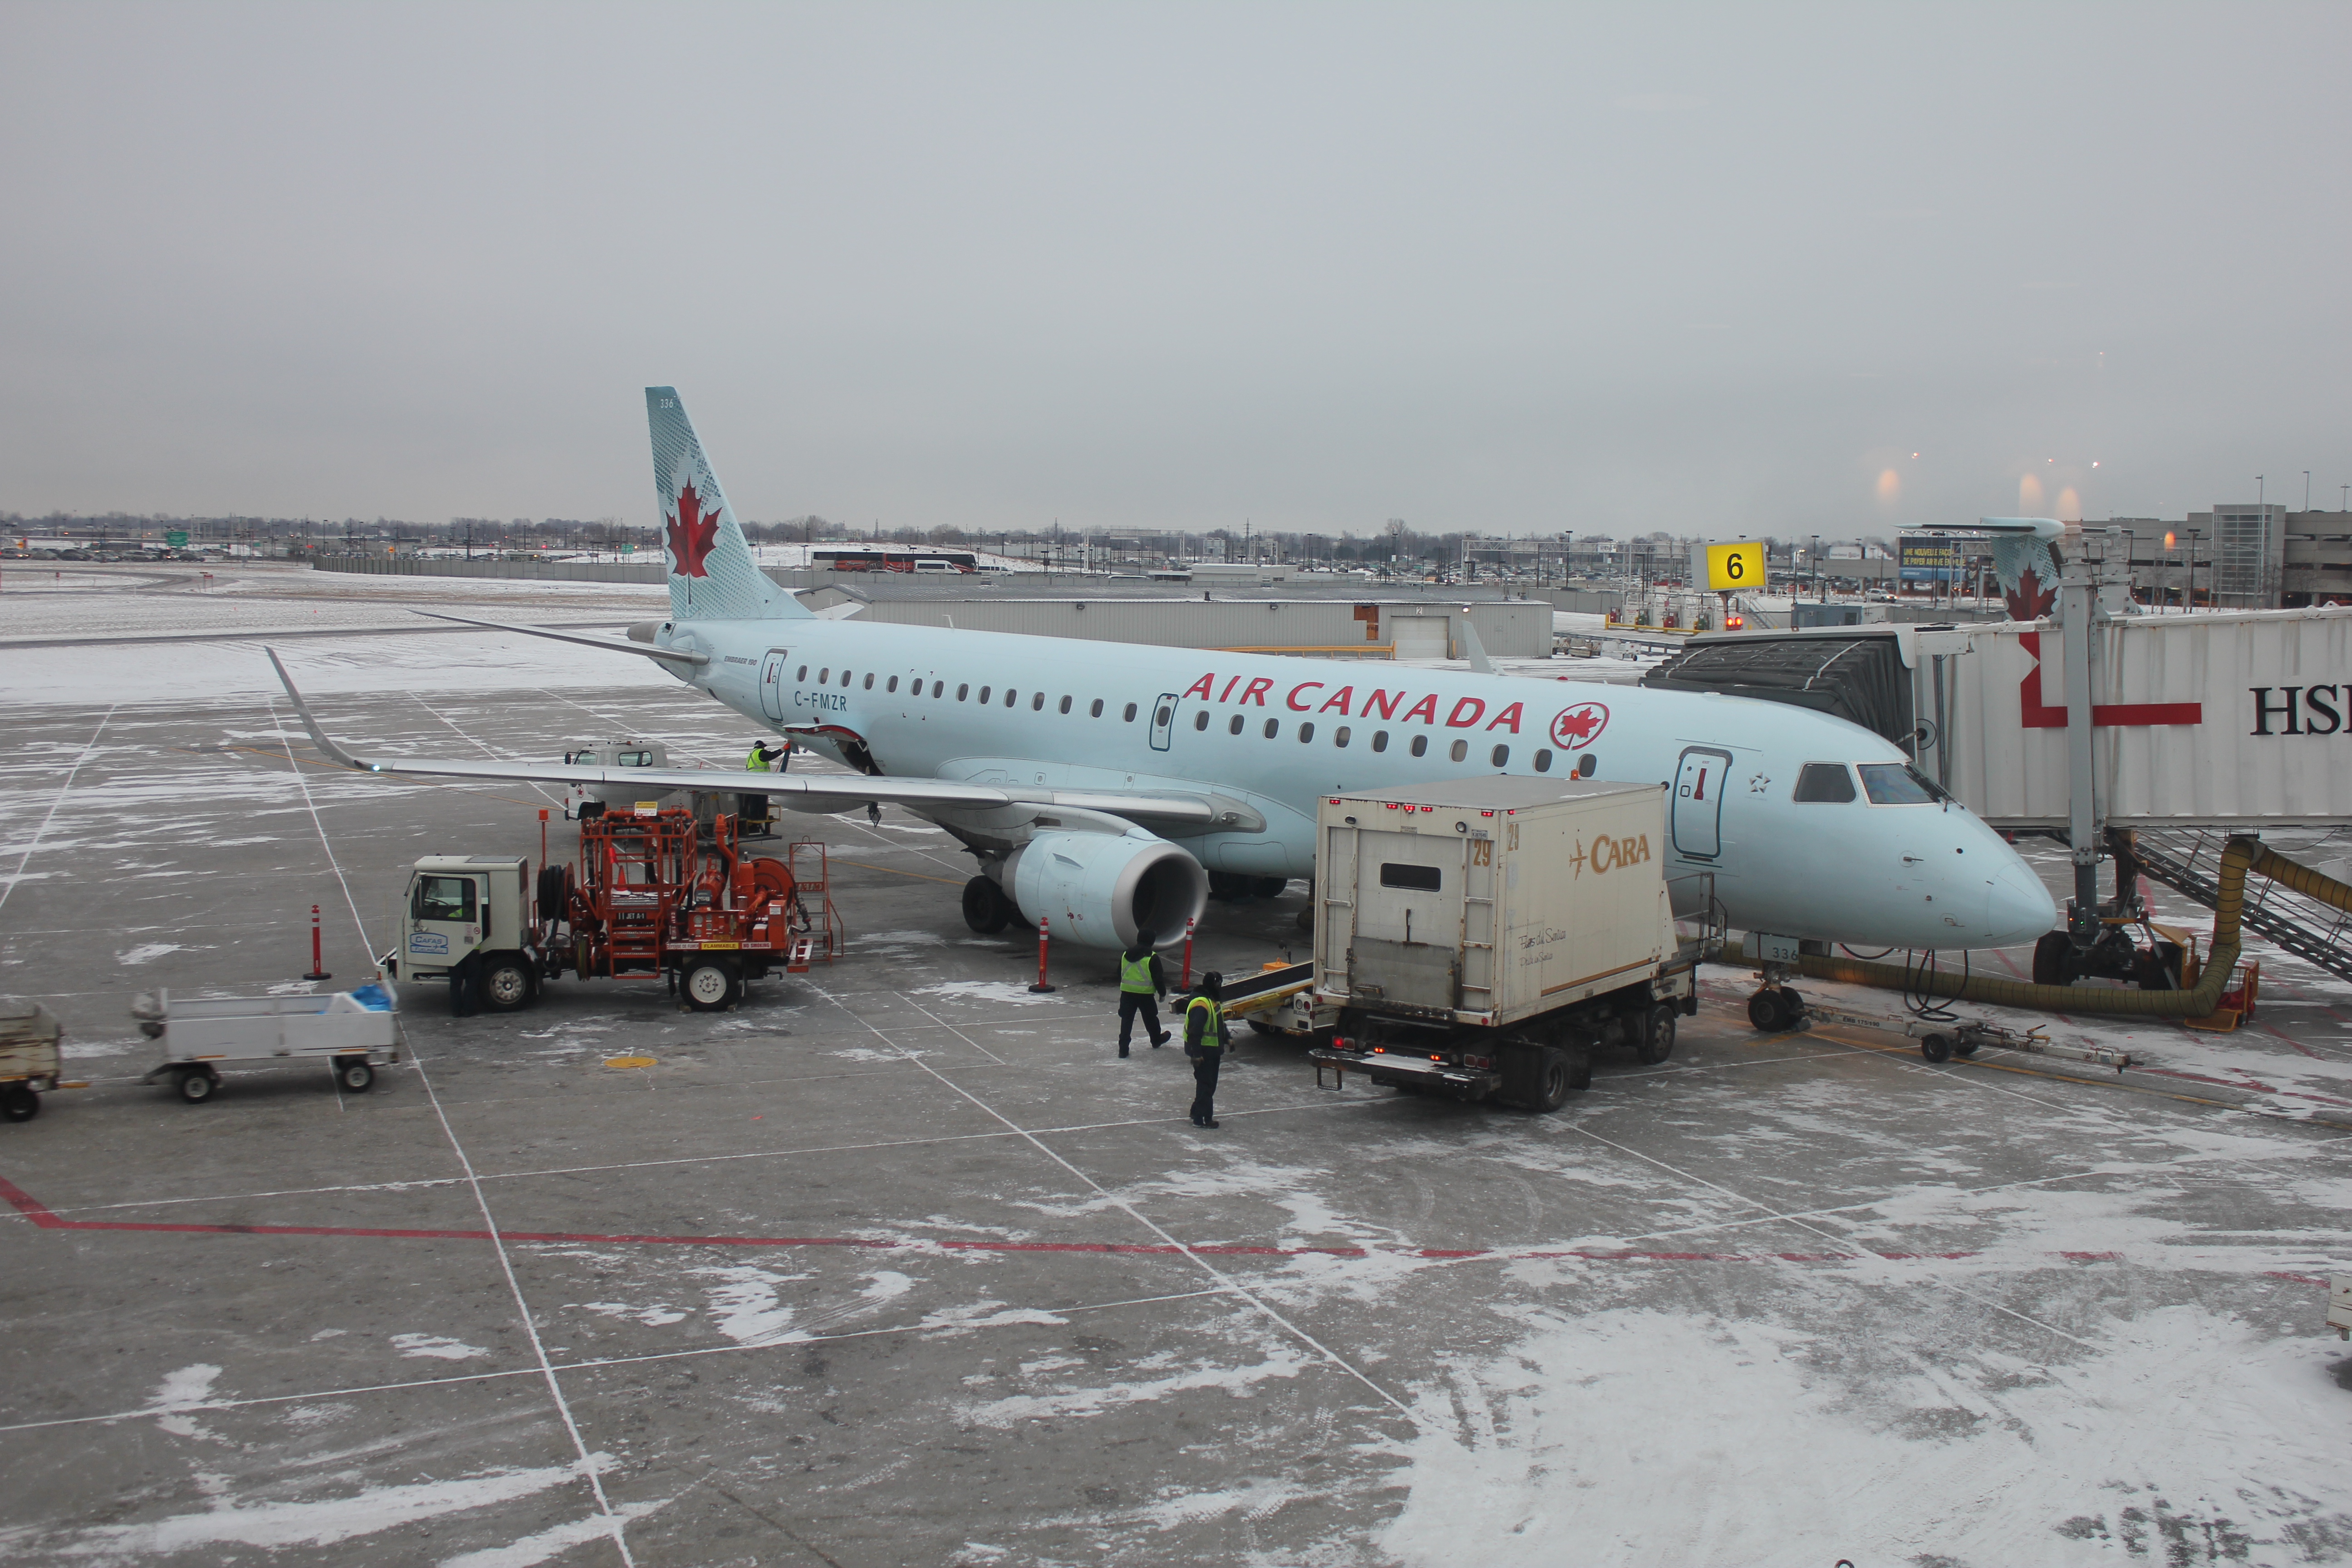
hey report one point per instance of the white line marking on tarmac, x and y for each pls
(41, 832)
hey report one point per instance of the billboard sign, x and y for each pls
(1931, 558)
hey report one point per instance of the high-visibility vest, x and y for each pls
(755, 762)
(1213, 1034)
(1135, 975)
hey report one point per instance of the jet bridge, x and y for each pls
(2201, 724)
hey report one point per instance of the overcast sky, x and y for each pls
(1720, 271)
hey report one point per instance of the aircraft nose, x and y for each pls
(2018, 908)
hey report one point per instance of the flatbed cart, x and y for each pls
(354, 1032)
(1941, 1040)
(30, 1060)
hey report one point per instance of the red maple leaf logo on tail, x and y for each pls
(2029, 601)
(1578, 727)
(692, 532)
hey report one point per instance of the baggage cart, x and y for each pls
(354, 1032)
(30, 1058)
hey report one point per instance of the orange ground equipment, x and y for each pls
(657, 892)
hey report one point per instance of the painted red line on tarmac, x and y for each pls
(45, 1218)
(2298, 1044)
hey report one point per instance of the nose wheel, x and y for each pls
(1775, 1009)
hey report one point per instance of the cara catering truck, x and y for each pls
(1483, 937)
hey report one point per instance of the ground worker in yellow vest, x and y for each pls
(752, 810)
(1206, 1040)
(1141, 983)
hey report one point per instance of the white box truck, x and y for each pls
(1483, 937)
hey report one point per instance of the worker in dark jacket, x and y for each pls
(1141, 983)
(1206, 1041)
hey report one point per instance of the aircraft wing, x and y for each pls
(843, 790)
(643, 650)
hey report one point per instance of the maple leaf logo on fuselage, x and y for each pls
(1578, 727)
(692, 534)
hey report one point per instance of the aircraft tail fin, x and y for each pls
(712, 572)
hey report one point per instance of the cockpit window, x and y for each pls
(1898, 783)
(1824, 782)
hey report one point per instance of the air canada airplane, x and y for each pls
(1100, 784)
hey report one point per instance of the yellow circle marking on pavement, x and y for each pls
(628, 1061)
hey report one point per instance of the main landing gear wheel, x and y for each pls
(710, 985)
(18, 1103)
(986, 909)
(504, 983)
(354, 1074)
(196, 1085)
(1657, 1041)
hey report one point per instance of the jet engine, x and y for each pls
(1100, 889)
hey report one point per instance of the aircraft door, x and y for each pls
(1164, 720)
(1698, 807)
(771, 683)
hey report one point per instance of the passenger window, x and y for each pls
(983, 694)
(1421, 745)
(1456, 752)
(937, 687)
(1418, 878)
(1585, 765)
(823, 675)
(1543, 760)
(1502, 758)
(802, 675)
(1380, 740)
(964, 691)
(870, 680)
(1340, 736)
(1200, 719)
(1164, 718)
(1011, 697)
(893, 686)
(1234, 727)
(1898, 783)
(1037, 703)
(1129, 714)
(1306, 733)
(1095, 710)
(1824, 782)
(1066, 705)
(1273, 728)
(444, 899)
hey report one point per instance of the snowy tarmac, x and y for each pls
(899, 1264)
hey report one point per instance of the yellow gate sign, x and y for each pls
(1735, 565)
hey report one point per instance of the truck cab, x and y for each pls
(467, 918)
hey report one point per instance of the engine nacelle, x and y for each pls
(1100, 889)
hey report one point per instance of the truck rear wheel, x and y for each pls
(1657, 1041)
(504, 983)
(710, 985)
(1558, 1076)
(18, 1103)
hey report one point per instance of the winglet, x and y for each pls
(1473, 648)
(318, 737)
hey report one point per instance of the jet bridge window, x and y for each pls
(1418, 878)
(1824, 782)
(1898, 783)
(444, 899)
